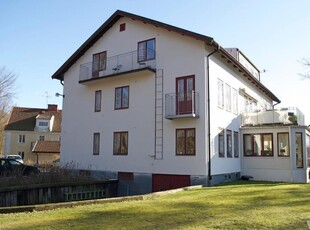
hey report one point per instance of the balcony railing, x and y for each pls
(118, 64)
(290, 115)
(182, 105)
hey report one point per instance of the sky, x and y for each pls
(38, 36)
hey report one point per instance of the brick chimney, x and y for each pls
(52, 108)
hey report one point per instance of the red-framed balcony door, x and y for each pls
(185, 87)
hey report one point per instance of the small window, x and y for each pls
(221, 143)
(146, 50)
(98, 101)
(229, 143)
(21, 138)
(185, 142)
(227, 97)
(283, 145)
(96, 144)
(122, 27)
(43, 123)
(41, 138)
(99, 63)
(122, 97)
(120, 145)
(22, 154)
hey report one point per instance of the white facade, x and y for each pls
(152, 137)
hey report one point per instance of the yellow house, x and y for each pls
(26, 126)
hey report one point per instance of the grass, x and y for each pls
(238, 205)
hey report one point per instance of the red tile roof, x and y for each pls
(46, 147)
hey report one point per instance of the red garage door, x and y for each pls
(161, 182)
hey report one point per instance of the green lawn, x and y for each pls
(239, 205)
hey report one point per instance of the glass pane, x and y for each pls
(220, 92)
(98, 101)
(236, 144)
(141, 51)
(180, 142)
(102, 60)
(299, 150)
(235, 101)
(221, 143)
(283, 145)
(190, 141)
(150, 49)
(117, 143)
(190, 88)
(248, 149)
(267, 145)
(95, 62)
(229, 143)
(228, 97)
(96, 143)
(124, 143)
(257, 145)
(180, 90)
(118, 98)
(125, 99)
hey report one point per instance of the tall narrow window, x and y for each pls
(146, 50)
(227, 97)
(234, 101)
(96, 144)
(98, 101)
(122, 97)
(221, 143)
(267, 145)
(229, 143)
(185, 142)
(99, 63)
(283, 145)
(120, 143)
(220, 93)
(236, 144)
(299, 151)
(21, 138)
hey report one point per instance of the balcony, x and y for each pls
(286, 116)
(116, 65)
(182, 105)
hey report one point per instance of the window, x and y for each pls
(220, 94)
(21, 138)
(99, 63)
(185, 142)
(229, 143)
(43, 123)
(122, 97)
(250, 105)
(227, 97)
(120, 145)
(146, 50)
(308, 150)
(98, 101)
(22, 154)
(299, 151)
(235, 101)
(258, 145)
(283, 145)
(236, 144)
(41, 138)
(221, 143)
(96, 143)
(122, 27)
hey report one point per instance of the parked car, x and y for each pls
(12, 167)
(16, 157)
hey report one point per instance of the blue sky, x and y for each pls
(37, 37)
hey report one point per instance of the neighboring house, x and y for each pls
(26, 126)
(159, 107)
(47, 151)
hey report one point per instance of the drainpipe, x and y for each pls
(208, 112)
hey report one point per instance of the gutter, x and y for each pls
(209, 120)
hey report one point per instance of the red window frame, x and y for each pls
(188, 150)
(98, 95)
(100, 64)
(96, 144)
(120, 138)
(146, 53)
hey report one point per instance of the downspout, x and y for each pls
(209, 120)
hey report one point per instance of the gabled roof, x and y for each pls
(24, 119)
(46, 147)
(59, 74)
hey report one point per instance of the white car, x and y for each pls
(15, 157)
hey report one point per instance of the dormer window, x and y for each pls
(43, 123)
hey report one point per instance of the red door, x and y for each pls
(162, 182)
(185, 87)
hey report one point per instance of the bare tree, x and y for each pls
(306, 63)
(7, 91)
